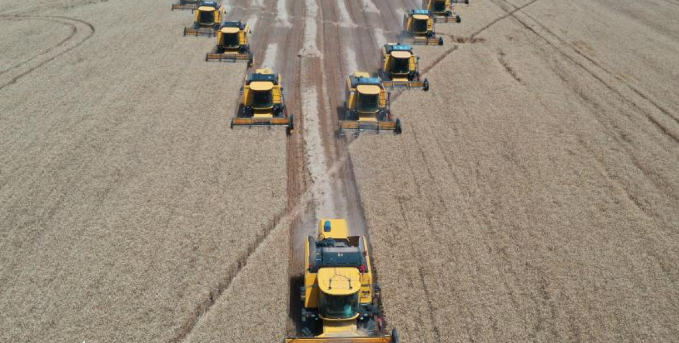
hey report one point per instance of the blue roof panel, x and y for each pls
(425, 12)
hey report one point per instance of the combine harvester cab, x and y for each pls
(232, 44)
(186, 5)
(207, 18)
(367, 106)
(262, 102)
(442, 10)
(418, 28)
(341, 302)
(400, 67)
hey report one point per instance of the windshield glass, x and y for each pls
(262, 99)
(439, 5)
(420, 25)
(229, 39)
(339, 306)
(400, 65)
(207, 17)
(368, 102)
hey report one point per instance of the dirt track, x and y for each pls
(532, 196)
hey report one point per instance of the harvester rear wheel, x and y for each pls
(398, 129)
(291, 127)
(458, 19)
(425, 86)
(440, 40)
(394, 336)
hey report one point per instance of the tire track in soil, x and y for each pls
(77, 26)
(53, 5)
(203, 307)
(471, 39)
(300, 195)
(74, 30)
(608, 84)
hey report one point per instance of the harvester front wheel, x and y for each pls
(398, 129)
(458, 19)
(440, 40)
(184, 32)
(425, 86)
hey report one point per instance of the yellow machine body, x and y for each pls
(400, 67)
(340, 298)
(418, 28)
(262, 102)
(367, 106)
(232, 44)
(442, 10)
(207, 18)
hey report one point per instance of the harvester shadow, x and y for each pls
(295, 312)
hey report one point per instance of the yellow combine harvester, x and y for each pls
(262, 102)
(442, 11)
(400, 67)
(232, 44)
(418, 28)
(206, 19)
(186, 5)
(341, 301)
(367, 106)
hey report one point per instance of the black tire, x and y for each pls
(398, 129)
(291, 127)
(394, 336)
(231, 124)
(440, 40)
(184, 32)
(369, 326)
(206, 57)
(426, 85)
(458, 19)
